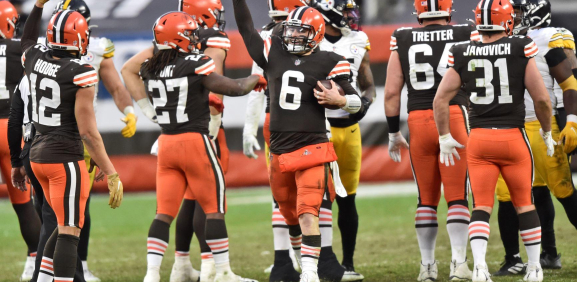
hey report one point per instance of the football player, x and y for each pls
(343, 37)
(294, 66)
(554, 174)
(285, 264)
(11, 72)
(419, 59)
(183, 116)
(62, 93)
(497, 143)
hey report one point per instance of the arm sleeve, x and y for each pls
(346, 85)
(393, 43)
(252, 40)
(554, 57)
(531, 49)
(206, 66)
(85, 76)
(31, 29)
(218, 42)
(15, 122)
(108, 48)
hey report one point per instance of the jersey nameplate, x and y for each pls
(491, 50)
(437, 35)
(46, 68)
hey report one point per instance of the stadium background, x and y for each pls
(128, 23)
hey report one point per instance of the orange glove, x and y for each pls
(262, 83)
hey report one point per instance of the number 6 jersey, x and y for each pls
(493, 75)
(53, 86)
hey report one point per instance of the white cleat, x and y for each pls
(207, 271)
(89, 276)
(309, 276)
(352, 276)
(152, 275)
(481, 273)
(428, 272)
(460, 272)
(534, 273)
(28, 269)
(183, 272)
(269, 269)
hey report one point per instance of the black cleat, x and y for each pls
(283, 269)
(330, 270)
(511, 266)
(549, 262)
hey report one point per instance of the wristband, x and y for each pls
(128, 110)
(394, 124)
(572, 118)
(353, 104)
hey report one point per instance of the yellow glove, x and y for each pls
(130, 128)
(569, 136)
(116, 190)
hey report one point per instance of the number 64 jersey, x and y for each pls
(493, 74)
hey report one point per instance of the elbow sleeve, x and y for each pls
(569, 84)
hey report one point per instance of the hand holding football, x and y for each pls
(330, 95)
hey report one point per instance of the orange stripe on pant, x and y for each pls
(16, 196)
(505, 151)
(424, 150)
(66, 187)
(188, 161)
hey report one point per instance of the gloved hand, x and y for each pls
(214, 126)
(396, 142)
(130, 129)
(249, 144)
(215, 102)
(448, 149)
(569, 134)
(147, 109)
(549, 142)
(116, 190)
(262, 83)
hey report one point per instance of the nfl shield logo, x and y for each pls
(297, 62)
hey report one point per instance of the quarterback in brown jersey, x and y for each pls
(300, 149)
(62, 94)
(419, 59)
(497, 143)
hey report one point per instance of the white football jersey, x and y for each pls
(546, 39)
(353, 47)
(568, 43)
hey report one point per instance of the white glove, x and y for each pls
(147, 109)
(448, 149)
(249, 144)
(214, 125)
(396, 141)
(154, 149)
(549, 142)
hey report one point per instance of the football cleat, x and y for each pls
(428, 272)
(460, 271)
(534, 273)
(183, 272)
(207, 271)
(284, 273)
(511, 266)
(28, 269)
(309, 276)
(352, 276)
(89, 276)
(152, 275)
(549, 262)
(481, 273)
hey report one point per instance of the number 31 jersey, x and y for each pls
(423, 53)
(493, 75)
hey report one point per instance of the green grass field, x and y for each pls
(386, 250)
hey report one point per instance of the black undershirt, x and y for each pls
(333, 39)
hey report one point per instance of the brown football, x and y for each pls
(327, 84)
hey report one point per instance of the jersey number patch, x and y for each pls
(39, 107)
(426, 68)
(293, 91)
(485, 82)
(4, 92)
(160, 102)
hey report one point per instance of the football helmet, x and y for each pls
(538, 13)
(303, 30)
(496, 17)
(176, 30)
(431, 9)
(207, 13)
(282, 8)
(521, 20)
(68, 30)
(10, 16)
(340, 14)
(74, 5)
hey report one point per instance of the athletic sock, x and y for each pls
(281, 237)
(29, 224)
(479, 235)
(199, 224)
(157, 242)
(426, 226)
(311, 250)
(570, 205)
(348, 222)
(546, 212)
(46, 272)
(296, 237)
(217, 240)
(509, 228)
(458, 219)
(530, 230)
(184, 229)
(65, 256)
(85, 234)
(326, 223)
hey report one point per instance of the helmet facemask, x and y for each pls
(219, 15)
(520, 21)
(352, 17)
(193, 38)
(298, 37)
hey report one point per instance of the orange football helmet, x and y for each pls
(8, 13)
(68, 30)
(282, 8)
(496, 17)
(429, 9)
(206, 13)
(176, 30)
(303, 30)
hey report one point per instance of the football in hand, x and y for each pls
(327, 84)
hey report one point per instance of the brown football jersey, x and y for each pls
(11, 72)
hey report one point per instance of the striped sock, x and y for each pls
(530, 230)
(181, 257)
(296, 242)
(311, 250)
(157, 243)
(426, 226)
(458, 219)
(46, 273)
(279, 230)
(479, 235)
(326, 225)
(217, 240)
(219, 248)
(206, 257)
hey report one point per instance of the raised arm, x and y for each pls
(231, 87)
(252, 40)
(131, 74)
(32, 26)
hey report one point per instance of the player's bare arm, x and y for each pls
(561, 70)
(570, 53)
(447, 90)
(393, 88)
(120, 94)
(365, 79)
(232, 87)
(536, 87)
(218, 56)
(130, 73)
